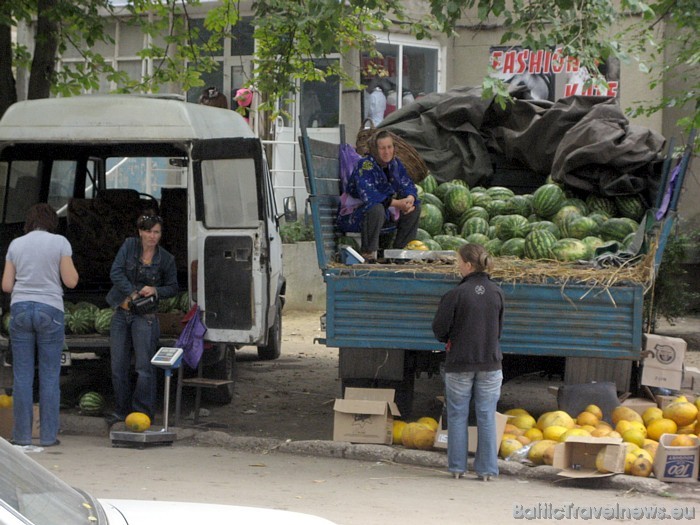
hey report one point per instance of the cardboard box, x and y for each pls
(576, 456)
(365, 415)
(676, 464)
(639, 404)
(170, 323)
(6, 423)
(441, 434)
(691, 378)
(663, 366)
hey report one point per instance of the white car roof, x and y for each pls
(118, 118)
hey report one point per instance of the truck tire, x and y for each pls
(223, 369)
(273, 349)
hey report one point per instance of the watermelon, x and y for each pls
(474, 211)
(457, 201)
(599, 217)
(580, 227)
(512, 226)
(519, 205)
(569, 250)
(432, 244)
(81, 321)
(497, 207)
(450, 228)
(6, 323)
(513, 247)
(480, 199)
(493, 246)
(627, 241)
(477, 238)
(442, 189)
(492, 232)
(547, 200)
(538, 244)
(616, 229)
(479, 189)
(602, 204)
(578, 203)
(85, 305)
(103, 320)
(419, 191)
(429, 183)
(168, 305)
(185, 301)
(591, 244)
(460, 182)
(474, 225)
(450, 242)
(546, 225)
(68, 306)
(91, 404)
(346, 240)
(429, 198)
(562, 218)
(423, 235)
(500, 193)
(431, 219)
(631, 206)
(496, 219)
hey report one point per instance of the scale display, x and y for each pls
(167, 357)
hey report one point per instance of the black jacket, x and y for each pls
(470, 320)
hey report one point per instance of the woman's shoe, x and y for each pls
(457, 475)
(55, 443)
(484, 477)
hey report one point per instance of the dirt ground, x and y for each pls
(292, 397)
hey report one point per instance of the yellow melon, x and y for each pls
(641, 467)
(537, 450)
(621, 412)
(429, 422)
(587, 418)
(599, 461)
(424, 438)
(554, 432)
(595, 410)
(623, 426)
(573, 432)
(687, 429)
(516, 412)
(512, 429)
(556, 418)
(5, 401)
(683, 413)
(651, 447)
(137, 422)
(397, 431)
(652, 413)
(415, 432)
(523, 421)
(534, 434)
(601, 431)
(630, 458)
(548, 456)
(661, 426)
(524, 440)
(508, 446)
(684, 440)
(633, 435)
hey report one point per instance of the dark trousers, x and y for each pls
(375, 219)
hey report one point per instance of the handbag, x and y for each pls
(144, 305)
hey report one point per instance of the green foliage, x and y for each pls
(672, 295)
(298, 231)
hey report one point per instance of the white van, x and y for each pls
(100, 161)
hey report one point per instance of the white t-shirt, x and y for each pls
(37, 260)
(377, 106)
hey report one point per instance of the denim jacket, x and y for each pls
(129, 275)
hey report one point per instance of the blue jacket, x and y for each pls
(129, 275)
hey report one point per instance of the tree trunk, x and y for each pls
(46, 47)
(8, 94)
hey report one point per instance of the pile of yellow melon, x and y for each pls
(640, 433)
(417, 434)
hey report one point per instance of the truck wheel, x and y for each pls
(273, 349)
(224, 369)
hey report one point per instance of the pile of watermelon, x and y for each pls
(547, 224)
(86, 318)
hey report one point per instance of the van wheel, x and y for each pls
(274, 338)
(224, 369)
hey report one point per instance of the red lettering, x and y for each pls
(496, 57)
(509, 62)
(523, 58)
(612, 88)
(572, 64)
(557, 62)
(570, 89)
(546, 67)
(536, 62)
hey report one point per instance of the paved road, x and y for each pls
(349, 492)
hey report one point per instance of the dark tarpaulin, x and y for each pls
(585, 142)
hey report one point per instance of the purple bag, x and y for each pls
(191, 339)
(348, 159)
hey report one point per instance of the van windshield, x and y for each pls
(230, 195)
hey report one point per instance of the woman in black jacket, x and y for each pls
(469, 320)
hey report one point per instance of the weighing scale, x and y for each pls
(167, 358)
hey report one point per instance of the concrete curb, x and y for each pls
(81, 425)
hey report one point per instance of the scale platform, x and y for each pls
(148, 438)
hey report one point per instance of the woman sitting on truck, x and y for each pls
(141, 269)
(385, 194)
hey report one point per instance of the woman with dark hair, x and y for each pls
(35, 266)
(213, 97)
(141, 268)
(386, 194)
(469, 320)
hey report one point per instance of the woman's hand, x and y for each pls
(405, 205)
(147, 291)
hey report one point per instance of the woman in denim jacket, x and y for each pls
(141, 268)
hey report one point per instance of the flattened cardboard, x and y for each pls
(663, 367)
(6, 423)
(663, 401)
(638, 404)
(576, 457)
(676, 464)
(365, 415)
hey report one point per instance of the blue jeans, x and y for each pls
(458, 393)
(37, 335)
(141, 332)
